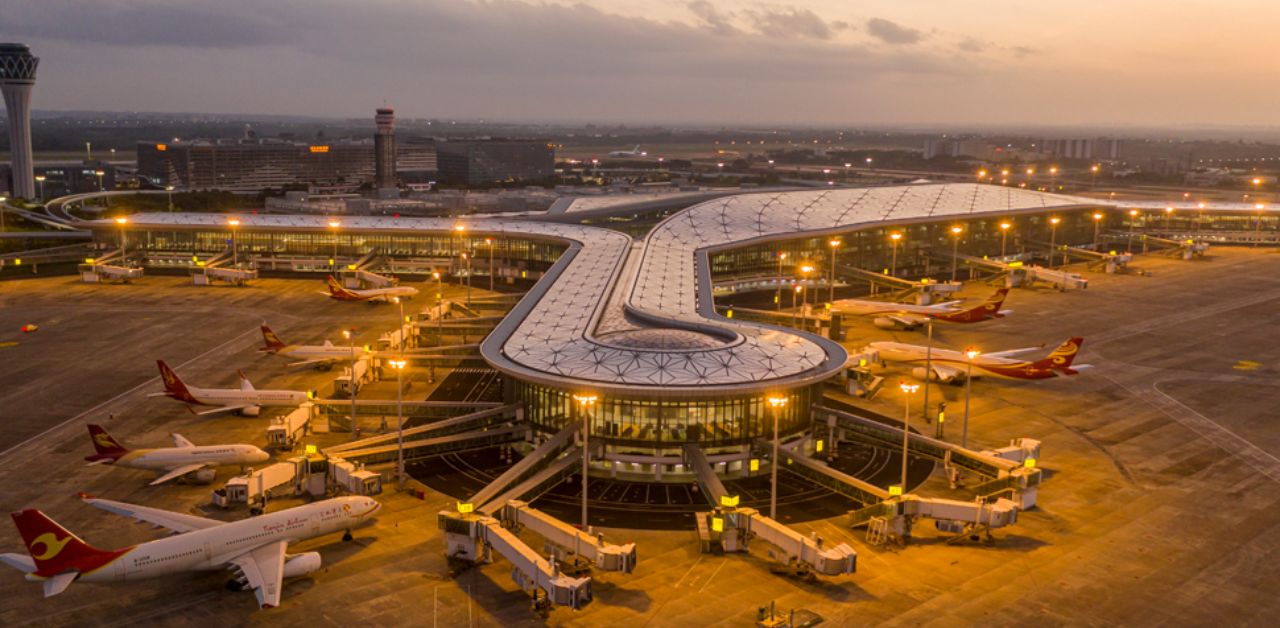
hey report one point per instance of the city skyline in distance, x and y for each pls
(804, 63)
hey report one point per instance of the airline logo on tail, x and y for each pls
(56, 550)
(338, 292)
(107, 448)
(173, 385)
(1065, 354)
(271, 340)
(52, 546)
(989, 309)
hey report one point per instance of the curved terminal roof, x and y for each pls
(593, 321)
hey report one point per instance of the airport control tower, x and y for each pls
(384, 151)
(17, 77)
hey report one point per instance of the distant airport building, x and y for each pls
(250, 165)
(17, 77)
(1103, 148)
(384, 149)
(61, 178)
(981, 149)
(495, 160)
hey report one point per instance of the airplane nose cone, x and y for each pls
(261, 456)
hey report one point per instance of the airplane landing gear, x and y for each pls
(346, 536)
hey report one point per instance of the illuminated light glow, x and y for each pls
(895, 491)
(777, 401)
(717, 524)
(162, 147)
(729, 501)
(319, 149)
(1029, 463)
(466, 508)
(755, 464)
(310, 449)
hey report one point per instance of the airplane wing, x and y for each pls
(946, 373)
(1013, 352)
(179, 441)
(221, 409)
(177, 473)
(315, 361)
(906, 321)
(264, 569)
(175, 521)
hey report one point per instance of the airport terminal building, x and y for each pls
(625, 332)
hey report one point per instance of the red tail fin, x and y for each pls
(173, 384)
(1062, 357)
(271, 340)
(989, 309)
(107, 447)
(55, 550)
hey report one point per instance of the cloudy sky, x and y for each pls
(821, 62)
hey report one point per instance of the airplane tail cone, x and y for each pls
(55, 549)
(1062, 357)
(107, 448)
(271, 342)
(173, 384)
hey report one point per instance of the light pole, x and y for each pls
(1199, 216)
(870, 167)
(794, 311)
(778, 298)
(40, 180)
(955, 250)
(1093, 173)
(1004, 177)
(1133, 218)
(1031, 172)
(1053, 239)
(928, 366)
(982, 174)
(835, 246)
(333, 263)
(1097, 224)
(3, 201)
(169, 190)
(585, 402)
(1004, 236)
(804, 274)
(1053, 178)
(439, 308)
(398, 365)
(106, 200)
(461, 230)
(350, 335)
(972, 354)
(1168, 219)
(907, 389)
(467, 257)
(894, 238)
(489, 242)
(777, 403)
(122, 221)
(235, 259)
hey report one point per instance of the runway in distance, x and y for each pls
(950, 366)
(254, 547)
(246, 400)
(183, 459)
(890, 315)
(321, 355)
(337, 291)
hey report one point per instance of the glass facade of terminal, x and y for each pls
(657, 423)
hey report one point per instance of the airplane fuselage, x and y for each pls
(213, 548)
(917, 356)
(376, 294)
(173, 457)
(261, 398)
(320, 352)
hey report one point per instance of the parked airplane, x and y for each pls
(183, 459)
(336, 291)
(323, 355)
(254, 547)
(246, 400)
(889, 315)
(950, 366)
(635, 152)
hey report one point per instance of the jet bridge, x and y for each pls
(425, 447)
(361, 275)
(220, 268)
(470, 537)
(924, 291)
(607, 556)
(110, 267)
(1185, 249)
(472, 421)
(1016, 274)
(1020, 481)
(541, 455)
(731, 528)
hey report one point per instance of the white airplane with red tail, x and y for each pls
(245, 401)
(183, 459)
(254, 547)
(951, 366)
(337, 291)
(890, 315)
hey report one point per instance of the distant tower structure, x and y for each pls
(384, 150)
(17, 77)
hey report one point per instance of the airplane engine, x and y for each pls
(885, 323)
(251, 411)
(918, 373)
(301, 564)
(203, 476)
